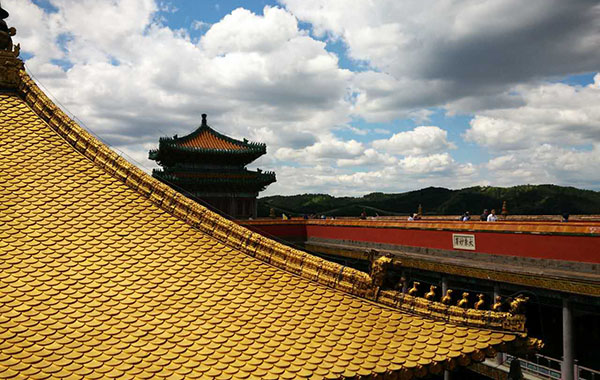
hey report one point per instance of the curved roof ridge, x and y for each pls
(189, 268)
(301, 263)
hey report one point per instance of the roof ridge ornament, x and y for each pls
(445, 308)
(3, 12)
(6, 33)
(10, 64)
(204, 123)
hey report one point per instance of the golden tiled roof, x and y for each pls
(107, 273)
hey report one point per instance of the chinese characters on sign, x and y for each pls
(461, 241)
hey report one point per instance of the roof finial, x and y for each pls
(10, 64)
(204, 123)
(3, 12)
(6, 33)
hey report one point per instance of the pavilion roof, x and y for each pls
(204, 138)
(107, 272)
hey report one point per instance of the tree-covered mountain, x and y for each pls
(523, 200)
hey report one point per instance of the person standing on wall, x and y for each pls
(466, 216)
(484, 216)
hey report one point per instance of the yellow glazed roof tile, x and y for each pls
(100, 280)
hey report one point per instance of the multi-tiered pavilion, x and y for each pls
(211, 168)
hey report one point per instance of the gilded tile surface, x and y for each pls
(96, 281)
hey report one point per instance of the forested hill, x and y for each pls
(523, 200)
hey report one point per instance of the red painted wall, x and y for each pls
(294, 232)
(556, 246)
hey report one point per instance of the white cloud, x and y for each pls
(552, 113)
(406, 174)
(381, 131)
(168, 7)
(133, 79)
(36, 31)
(553, 137)
(259, 76)
(498, 134)
(427, 164)
(430, 53)
(243, 31)
(547, 164)
(329, 147)
(596, 83)
(353, 168)
(200, 25)
(357, 131)
(506, 162)
(381, 97)
(420, 140)
(369, 157)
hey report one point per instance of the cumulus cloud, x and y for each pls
(134, 79)
(407, 160)
(381, 97)
(553, 113)
(37, 32)
(243, 31)
(440, 52)
(329, 147)
(261, 76)
(420, 140)
(370, 157)
(553, 137)
(426, 164)
(200, 25)
(397, 175)
(547, 164)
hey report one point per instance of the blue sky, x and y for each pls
(350, 96)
